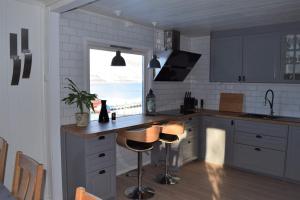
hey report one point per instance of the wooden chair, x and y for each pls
(28, 178)
(3, 155)
(81, 194)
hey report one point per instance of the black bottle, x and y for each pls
(150, 103)
(103, 116)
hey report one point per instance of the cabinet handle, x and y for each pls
(102, 172)
(240, 79)
(258, 136)
(244, 78)
(190, 130)
(101, 137)
(189, 142)
(232, 122)
(101, 155)
(257, 149)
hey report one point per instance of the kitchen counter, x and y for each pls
(95, 129)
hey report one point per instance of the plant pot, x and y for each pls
(82, 119)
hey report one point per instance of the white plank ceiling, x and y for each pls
(199, 17)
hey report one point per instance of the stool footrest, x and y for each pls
(144, 193)
(167, 179)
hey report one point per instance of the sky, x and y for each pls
(102, 72)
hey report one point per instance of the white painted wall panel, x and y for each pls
(22, 107)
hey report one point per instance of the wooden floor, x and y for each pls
(200, 181)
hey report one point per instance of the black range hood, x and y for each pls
(176, 64)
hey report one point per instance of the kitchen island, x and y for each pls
(89, 153)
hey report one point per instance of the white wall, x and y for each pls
(22, 110)
(286, 100)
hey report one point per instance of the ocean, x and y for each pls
(120, 95)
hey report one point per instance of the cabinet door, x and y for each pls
(293, 152)
(217, 140)
(261, 60)
(226, 59)
(102, 183)
(290, 62)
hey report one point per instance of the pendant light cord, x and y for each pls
(154, 37)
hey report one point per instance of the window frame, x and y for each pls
(106, 47)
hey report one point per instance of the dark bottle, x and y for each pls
(150, 103)
(103, 116)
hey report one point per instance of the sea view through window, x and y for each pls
(122, 87)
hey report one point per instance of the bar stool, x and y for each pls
(140, 140)
(169, 134)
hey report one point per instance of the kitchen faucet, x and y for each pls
(271, 102)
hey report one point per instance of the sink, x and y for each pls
(260, 116)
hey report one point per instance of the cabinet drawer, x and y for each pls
(258, 140)
(100, 143)
(259, 159)
(274, 130)
(102, 183)
(99, 160)
(189, 149)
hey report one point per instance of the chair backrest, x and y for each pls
(81, 194)
(3, 155)
(28, 178)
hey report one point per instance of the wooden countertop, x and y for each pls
(136, 121)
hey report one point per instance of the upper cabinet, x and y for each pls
(226, 59)
(266, 54)
(291, 57)
(261, 57)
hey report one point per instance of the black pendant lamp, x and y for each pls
(118, 60)
(154, 63)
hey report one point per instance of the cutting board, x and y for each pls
(231, 102)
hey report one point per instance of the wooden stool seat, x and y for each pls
(139, 139)
(171, 131)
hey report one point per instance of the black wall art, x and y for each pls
(16, 59)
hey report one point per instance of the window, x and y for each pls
(122, 87)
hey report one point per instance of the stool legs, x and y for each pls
(139, 192)
(167, 178)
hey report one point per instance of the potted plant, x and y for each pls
(82, 99)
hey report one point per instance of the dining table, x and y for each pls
(5, 193)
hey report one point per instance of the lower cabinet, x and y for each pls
(216, 143)
(260, 147)
(293, 152)
(182, 151)
(89, 163)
